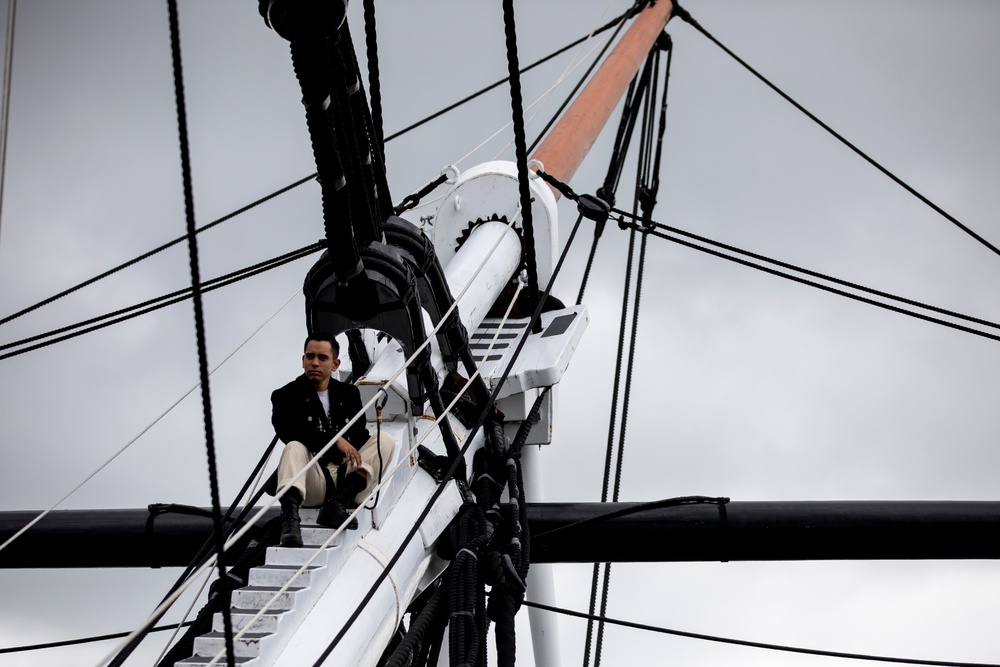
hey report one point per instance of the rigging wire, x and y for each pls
(644, 198)
(685, 16)
(753, 644)
(157, 303)
(5, 109)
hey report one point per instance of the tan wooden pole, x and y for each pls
(570, 139)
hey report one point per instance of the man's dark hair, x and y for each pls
(323, 336)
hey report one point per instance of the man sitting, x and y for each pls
(306, 413)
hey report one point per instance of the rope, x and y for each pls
(84, 640)
(157, 250)
(149, 306)
(520, 149)
(281, 492)
(743, 642)
(823, 276)
(451, 107)
(685, 16)
(199, 318)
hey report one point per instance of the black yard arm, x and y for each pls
(577, 533)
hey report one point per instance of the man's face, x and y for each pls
(318, 362)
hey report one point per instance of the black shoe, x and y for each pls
(291, 528)
(334, 511)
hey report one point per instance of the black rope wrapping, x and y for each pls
(309, 60)
(463, 543)
(354, 132)
(373, 129)
(684, 15)
(199, 318)
(413, 649)
(509, 571)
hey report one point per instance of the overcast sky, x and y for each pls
(747, 385)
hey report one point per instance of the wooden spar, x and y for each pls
(569, 141)
(745, 531)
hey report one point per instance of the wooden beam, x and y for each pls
(571, 138)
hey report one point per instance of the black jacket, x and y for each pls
(297, 414)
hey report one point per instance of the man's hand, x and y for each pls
(351, 456)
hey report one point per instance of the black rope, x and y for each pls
(743, 642)
(456, 461)
(625, 15)
(521, 152)
(87, 640)
(151, 305)
(684, 15)
(655, 231)
(230, 527)
(157, 250)
(199, 318)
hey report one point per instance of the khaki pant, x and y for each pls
(312, 485)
